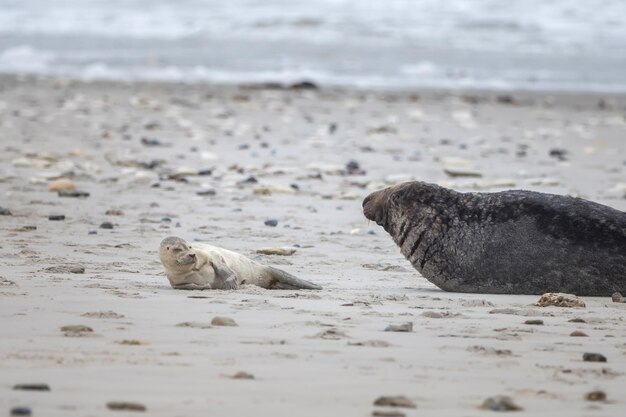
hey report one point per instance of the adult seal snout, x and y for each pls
(510, 242)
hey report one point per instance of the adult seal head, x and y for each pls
(510, 242)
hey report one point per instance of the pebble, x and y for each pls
(534, 322)
(62, 184)
(125, 406)
(114, 212)
(271, 222)
(406, 327)
(223, 321)
(56, 217)
(31, 387)
(92, 232)
(578, 333)
(76, 330)
(577, 320)
(593, 357)
(73, 194)
(20, 411)
(106, 225)
(280, 251)
(500, 403)
(560, 300)
(390, 413)
(595, 396)
(617, 297)
(560, 154)
(66, 269)
(5, 212)
(206, 193)
(242, 375)
(395, 401)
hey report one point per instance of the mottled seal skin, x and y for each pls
(510, 242)
(205, 267)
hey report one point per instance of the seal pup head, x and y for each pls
(175, 253)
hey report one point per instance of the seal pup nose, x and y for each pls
(192, 255)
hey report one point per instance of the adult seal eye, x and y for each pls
(510, 242)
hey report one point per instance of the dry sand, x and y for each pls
(311, 353)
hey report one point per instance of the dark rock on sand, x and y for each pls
(31, 387)
(406, 327)
(395, 401)
(125, 406)
(56, 217)
(20, 411)
(500, 403)
(5, 212)
(593, 357)
(271, 222)
(106, 225)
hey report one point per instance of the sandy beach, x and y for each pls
(213, 164)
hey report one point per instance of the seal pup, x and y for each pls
(510, 242)
(205, 267)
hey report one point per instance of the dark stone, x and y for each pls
(206, 193)
(560, 154)
(56, 217)
(205, 172)
(5, 212)
(593, 357)
(271, 222)
(304, 85)
(534, 322)
(106, 225)
(151, 142)
(92, 232)
(20, 411)
(125, 406)
(74, 194)
(462, 241)
(31, 387)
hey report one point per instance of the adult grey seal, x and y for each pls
(510, 242)
(204, 267)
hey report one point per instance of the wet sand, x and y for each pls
(213, 164)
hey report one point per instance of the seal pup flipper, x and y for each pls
(224, 273)
(282, 280)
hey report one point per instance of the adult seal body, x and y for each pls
(511, 242)
(204, 267)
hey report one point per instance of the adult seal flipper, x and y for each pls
(510, 242)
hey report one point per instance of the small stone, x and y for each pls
(406, 327)
(559, 300)
(595, 396)
(577, 320)
(114, 212)
(223, 321)
(62, 184)
(76, 330)
(617, 297)
(395, 401)
(56, 217)
(578, 333)
(73, 194)
(31, 387)
(389, 413)
(500, 403)
(242, 375)
(66, 269)
(92, 232)
(206, 193)
(5, 212)
(125, 406)
(20, 411)
(205, 172)
(560, 154)
(280, 251)
(151, 142)
(106, 225)
(593, 357)
(534, 322)
(271, 222)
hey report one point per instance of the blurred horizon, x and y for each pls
(570, 45)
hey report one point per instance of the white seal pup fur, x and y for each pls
(204, 267)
